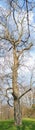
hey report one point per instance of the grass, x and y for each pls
(27, 124)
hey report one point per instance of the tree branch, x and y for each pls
(25, 93)
(25, 49)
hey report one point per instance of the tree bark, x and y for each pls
(17, 112)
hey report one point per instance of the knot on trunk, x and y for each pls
(15, 96)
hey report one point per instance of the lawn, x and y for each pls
(27, 124)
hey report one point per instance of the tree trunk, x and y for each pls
(17, 113)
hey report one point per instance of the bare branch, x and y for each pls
(25, 93)
(25, 49)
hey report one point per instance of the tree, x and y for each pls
(13, 20)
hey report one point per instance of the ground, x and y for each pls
(27, 124)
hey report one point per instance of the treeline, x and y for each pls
(6, 112)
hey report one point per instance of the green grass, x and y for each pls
(27, 124)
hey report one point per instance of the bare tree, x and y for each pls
(15, 32)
